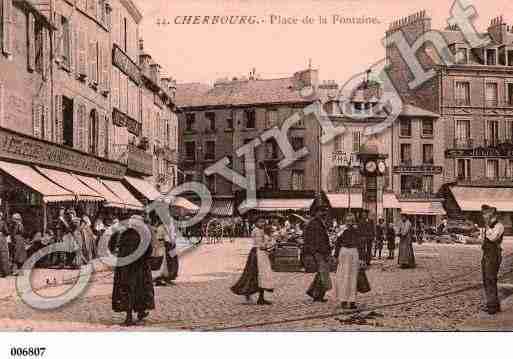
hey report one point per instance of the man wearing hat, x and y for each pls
(317, 245)
(492, 257)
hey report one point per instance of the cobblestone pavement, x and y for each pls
(201, 300)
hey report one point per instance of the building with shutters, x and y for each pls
(159, 121)
(473, 97)
(71, 131)
(216, 121)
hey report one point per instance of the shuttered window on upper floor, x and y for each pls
(7, 27)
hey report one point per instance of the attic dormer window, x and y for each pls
(491, 56)
(462, 55)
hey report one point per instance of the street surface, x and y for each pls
(411, 299)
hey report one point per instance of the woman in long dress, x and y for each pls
(406, 254)
(347, 250)
(17, 236)
(89, 240)
(257, 274)
(168, 271)
(133, 286)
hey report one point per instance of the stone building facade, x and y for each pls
(215, 122)
(473, 95)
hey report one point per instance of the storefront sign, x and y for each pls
(140, 161)
(427, 169)
(125, 64)
(26, 149)
(121, 120)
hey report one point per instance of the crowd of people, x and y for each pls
(350, 244)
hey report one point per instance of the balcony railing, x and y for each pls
(418, 195)
(134, 158)
(491, 103)
(463, 143)
(492, 142)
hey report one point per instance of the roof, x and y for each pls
(240, 92)
(414, 111)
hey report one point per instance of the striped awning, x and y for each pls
(390, 201)
(124, 194)
(342, 200)
(72, 184)
(143, 187)
(472, 198)
(222, 207)
(50, 191)
(423, 208)
(111, 199)
(284, 204)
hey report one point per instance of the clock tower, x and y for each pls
(373, 168)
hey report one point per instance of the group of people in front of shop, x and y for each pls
(352, 250)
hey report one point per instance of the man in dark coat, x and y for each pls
(317, 244)
(368, 232)
(492, 258)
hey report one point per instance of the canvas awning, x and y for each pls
(423, 208)
(472, 198)
(111, 199)
(50, 191)
(143, 187)
(284, 204)
(341, 200)
(222, 207)
(390, 201)
(72, 184)
(124, 194)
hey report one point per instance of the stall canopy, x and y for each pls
(111, 199)
(124, 194)
(72, 184)
(185, 203)
(222, 207)
(472, 198)
(423, 208)
(143, 187)
(50, 191)
(341, 200)
(390, 201)
(284, 204)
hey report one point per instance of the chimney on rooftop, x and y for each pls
(307, 78)
(498, 29)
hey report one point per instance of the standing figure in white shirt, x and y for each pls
(492, 257)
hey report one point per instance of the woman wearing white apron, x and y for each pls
(347, 251)
(257, 274)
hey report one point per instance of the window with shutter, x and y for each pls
(7, 27)
(93, 62)
(58, 119)
(31, 39)
(77, 119)
(115, 87)
(71, 46)
(100, 64)
(105, 69)
(37, 112)
(58, 38)
(84, 133)
(46, 53)
(101, 134)
(47, 125)
(82, 54)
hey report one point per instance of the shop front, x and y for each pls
(429, 213)
(37, 178)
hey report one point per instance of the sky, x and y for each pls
(204, 53)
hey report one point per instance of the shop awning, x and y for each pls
(341, 200)
(472, 198)
(390, 201)
(111, 199)
(50, 191)
(185, 203)
(284, 204)
(143, 187)
(222, 207)
(72, 184)
(423, 208)
(124, 194)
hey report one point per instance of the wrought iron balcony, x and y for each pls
(463, 143)
(492, 142)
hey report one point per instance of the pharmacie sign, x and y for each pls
(125, 64)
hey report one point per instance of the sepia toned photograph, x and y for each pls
(255, 166)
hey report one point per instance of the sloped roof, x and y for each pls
(240, 92)
(414, 111)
